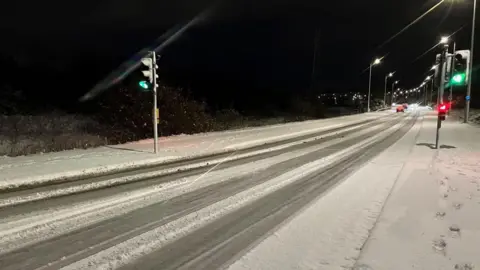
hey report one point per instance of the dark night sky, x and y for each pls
(247, 44)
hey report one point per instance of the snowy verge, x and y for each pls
(194, 165)
(150, 241)
(330, 233)
(144, 160)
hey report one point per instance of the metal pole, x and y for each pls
(385, 92)
(155, 122)
(469, 75)
(369, 87)
(443, 65)
(441, 88)
(425, 94)
(450, 96)
(393, 85)
(431, 90)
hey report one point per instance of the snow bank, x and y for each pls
(37, 169)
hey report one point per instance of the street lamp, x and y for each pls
(444, 40)
(393, 90)
(385, 91)
(375, 62)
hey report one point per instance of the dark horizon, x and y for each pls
(243, 50)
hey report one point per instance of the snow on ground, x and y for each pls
(147, 242)
(34, 226)
(431, 220)
(331, 231)
(42, 167)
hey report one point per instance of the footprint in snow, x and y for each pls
(457, 205)
(454, 231)
(464, 266)
(440, 214)
(439, 245)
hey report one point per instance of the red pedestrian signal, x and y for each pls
(442, 111)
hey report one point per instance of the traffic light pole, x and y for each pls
(450, 96)
(155, 107)
(441, 88)
(469, 78)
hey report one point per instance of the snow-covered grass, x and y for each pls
(157, 173)
(431, 219)
(29, 134)
(474, 115)
(73, 163)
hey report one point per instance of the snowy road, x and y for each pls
(201, 214)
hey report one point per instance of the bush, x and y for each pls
(125, 115)
(27, 134)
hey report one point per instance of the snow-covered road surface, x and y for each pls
(200, 218)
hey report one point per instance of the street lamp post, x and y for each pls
(393, 85)
(385, 91)
(427, 79)
(469, 86)
(375, 62)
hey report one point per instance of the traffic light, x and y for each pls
(144, 84)
(461, 67)
(442, 111)
(150, 73)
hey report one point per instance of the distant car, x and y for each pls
(400, 108)
(405, 105)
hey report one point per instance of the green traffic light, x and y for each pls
(143, 84)
(458, 78)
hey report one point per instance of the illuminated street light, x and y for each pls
(444, 40)
(428, 78)
(434, 67)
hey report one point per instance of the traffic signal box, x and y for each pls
(442, 111)
(461, 68)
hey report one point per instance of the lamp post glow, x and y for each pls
(375, 62)
(444, 40)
